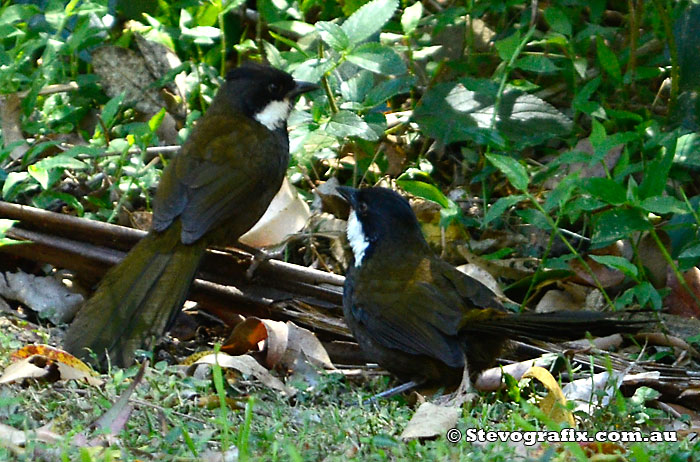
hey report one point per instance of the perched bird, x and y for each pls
(421, 318)
(213, 191)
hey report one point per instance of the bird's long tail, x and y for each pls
(559, 325)
(137, 299)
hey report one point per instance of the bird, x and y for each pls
(214, 189)
(421, 318)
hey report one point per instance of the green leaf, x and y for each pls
(615, 224)
(608, 60)
(346, 123)
(664, 204)
(39, 174)
(377, 58)
(424, 190)
(691, 252)
(369, 19)
(618, 263)
(333, 35)
(410, 18)
(507, 47)
(511, 168)
(60, 161)
(389, 88)
(109, 111)
(536, 63)
(313, 69)
(500, 206)
(688, 150)
(13, 179)
(157, 119)
(558, 20)
(461, 111)
(535, 218)
(606, 190)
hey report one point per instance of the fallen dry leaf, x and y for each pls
(246, 364)
(679, 301)
(47, 363)
(554, 403)
(286, 214)
(431, 420)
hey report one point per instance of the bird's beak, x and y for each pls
(347, 193)
(301, 87)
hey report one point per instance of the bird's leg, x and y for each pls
(410, 385)
(463, 394)
(259, 256)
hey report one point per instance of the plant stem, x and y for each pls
(674, 267)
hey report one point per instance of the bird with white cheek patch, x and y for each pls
(275, 114)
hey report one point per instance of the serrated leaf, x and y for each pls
(346, 123)
(618, 263)
(389, 88)
(313, 69)
(511, 168)
(615, 224)
(664, 204)
(333, 35)
(377, 58)
(410, 17)
(500, 206)
(369, 19)
(451, 112)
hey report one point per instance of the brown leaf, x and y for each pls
(123, 70)
(10, 112)
(431, 420)
(47, 363)
(679, 301)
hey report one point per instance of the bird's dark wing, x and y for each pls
(220, 179)
(427, 320)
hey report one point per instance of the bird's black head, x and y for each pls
(380, 217)
(261, 92)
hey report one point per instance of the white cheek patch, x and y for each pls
(356, 237)
(275, 114)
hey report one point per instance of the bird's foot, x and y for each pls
(259, 257)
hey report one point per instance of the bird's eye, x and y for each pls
(362, 207)
(273, 88)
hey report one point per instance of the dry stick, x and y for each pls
(280, 289)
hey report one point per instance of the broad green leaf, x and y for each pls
(369, 19)
(608, 60)
(20, 12)
(295, 27)
(13, 178)
(536, 63)
(333, 35)
(500, 206)
(110, 109)
(424, 190)
(688, 150)
(389, 88)
(535, 218)
(346, 123)
(691, 252)
(615, 224)
(656, 175)
(558, 20)
(410, 18)
(40, 175)
(511, 168)
(313, 69)
(606, 190)
(61, 161)
(506, 47)
(377, 58)
(618, 263)
(461, 111)
(664, 204)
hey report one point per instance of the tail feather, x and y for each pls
(137, 299)
(560, 325)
